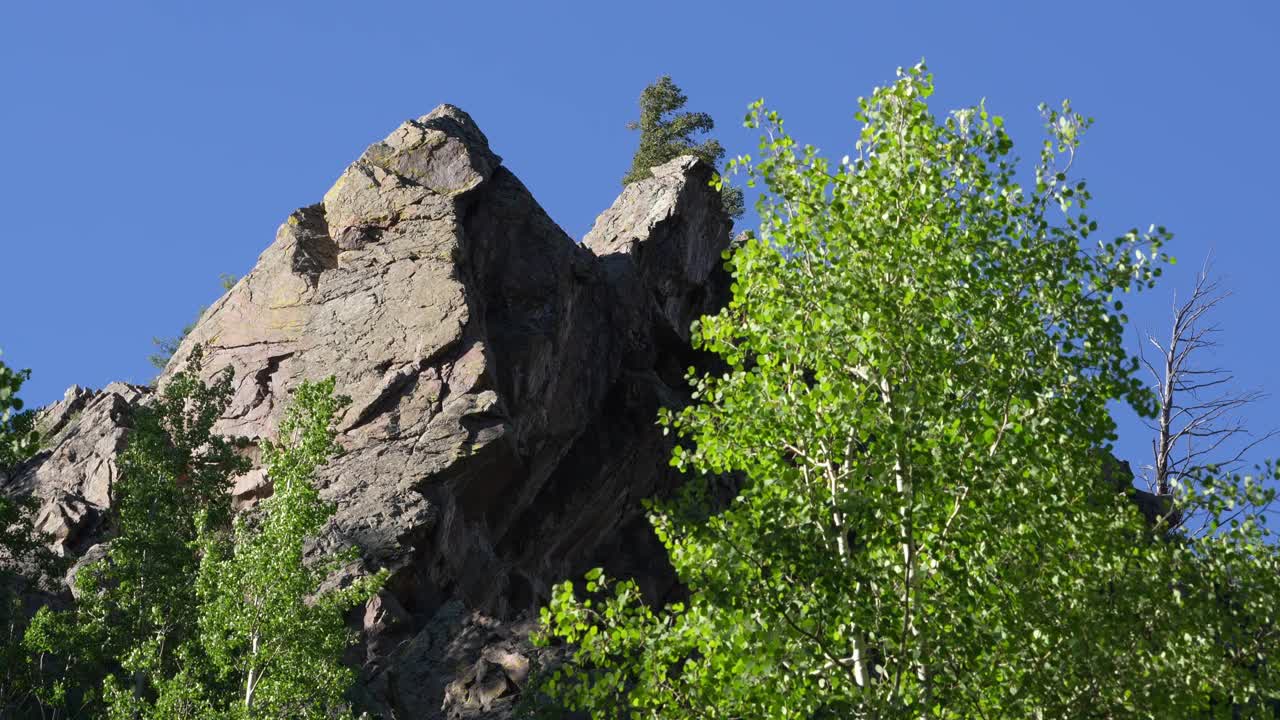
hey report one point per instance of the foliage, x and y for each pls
(921, 352)
(265, 630)
(27, 568)
(18, 437)
(190, 614)
(138, 606)
(26, 563)
(167, 346)
(666, 134)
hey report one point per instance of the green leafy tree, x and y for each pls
(920, 355)
(27, 566)
(272, 638)
(190, 614)
(666, 134)
(138, 607)
(26, 563)
(17, 686)
(167, 346)
(18, 437)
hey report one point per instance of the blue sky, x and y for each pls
(150, 146)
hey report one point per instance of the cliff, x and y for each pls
(504, 379)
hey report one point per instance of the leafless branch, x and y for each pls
(1198, 428)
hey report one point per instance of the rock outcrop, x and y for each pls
(73, 475)
(504, 381)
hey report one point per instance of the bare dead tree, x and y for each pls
(1199, 428)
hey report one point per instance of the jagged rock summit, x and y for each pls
(504, 381)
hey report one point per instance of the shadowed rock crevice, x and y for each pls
(315, 251)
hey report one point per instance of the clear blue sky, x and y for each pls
(149, 146)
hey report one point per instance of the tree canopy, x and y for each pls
(18, 436)
(920, 352)
(27, 566)
(666, 133)
(263, 625)
(191, 614)
(137, 608)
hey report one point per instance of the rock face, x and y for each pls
(73, 476)
(504, 381)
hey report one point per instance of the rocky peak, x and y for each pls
(504, 382)
(649, 226)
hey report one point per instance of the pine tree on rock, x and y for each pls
(666, 134)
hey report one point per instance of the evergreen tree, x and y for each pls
(666, 134)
